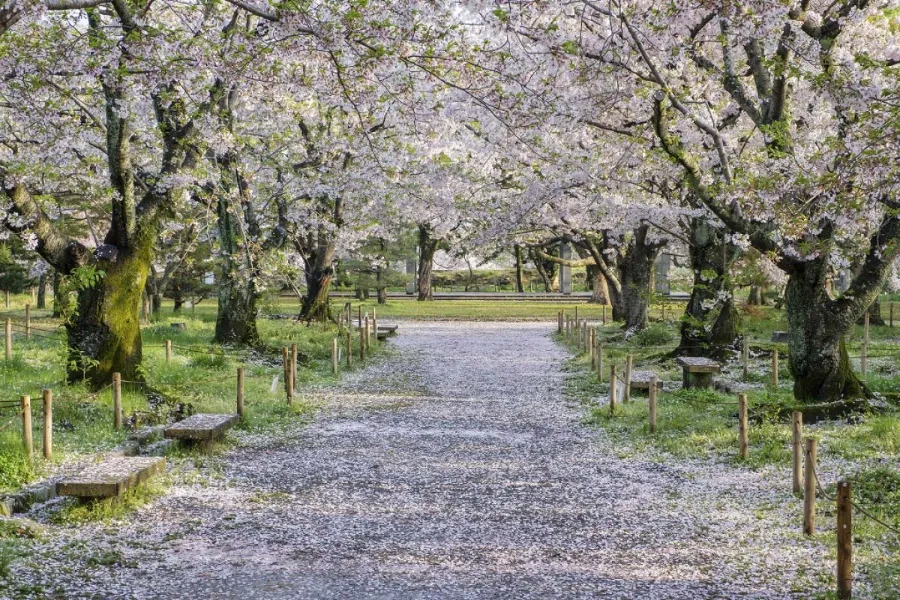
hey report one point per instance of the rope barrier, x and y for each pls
(855, 504)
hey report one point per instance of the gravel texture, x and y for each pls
(454, 469)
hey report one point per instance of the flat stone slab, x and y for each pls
(111, 477)
(641, 380)
(780, 337)
(204, 426)
(698, 364)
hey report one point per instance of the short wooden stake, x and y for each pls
(117, 400)
(26, 426)
(288, 384)
(348, 350)
(240, 392)
(27, 321)
(743, 434)
(629, 361)
(48, 425)
(559, 322)
(652, 403)
(892, 314)
(592, 347)
(334, 356)
(368, 334)
(663, 311)
(844, 541)
(604, 314)
(293, 369)
(775, 368)
(809, 488)
(863, 359)
(360, 316)
(362, 344)
(745, 356)
(168, 350)
(797, 452)
(600, 363)
(8, 345)
(612, 389)
(576, 315)
(375, 327)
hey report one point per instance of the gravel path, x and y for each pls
(455, 469)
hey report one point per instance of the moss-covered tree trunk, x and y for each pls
(319, 274)
(237, 311)
(104, 334)
(818, 357)
(599, 287)
(428, 245)
(710, 319)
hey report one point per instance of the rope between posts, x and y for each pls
(853, 503)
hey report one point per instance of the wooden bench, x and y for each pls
(204, 428)
(698, 371)
(111, 477)
(640, 380)
(386, 331)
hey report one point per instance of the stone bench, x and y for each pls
(640, 380)
(780, 337)
(204, 428)
(386, 331)
(111, 477)
(698, 371)
(178, 326)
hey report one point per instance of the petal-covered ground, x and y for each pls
(454, 469)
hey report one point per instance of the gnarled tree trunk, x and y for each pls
(319, 273)
(428, 245)
(42, 291)
(636, 273)
(710, 319)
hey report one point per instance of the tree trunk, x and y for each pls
(819, 362)
(427, 248)
(177, 297)
(710, 319)
(520, 283)
(104, 334)
(319, 272)
(599, 287)
(237, 311)
(755, 298)
(636, 267)
(42, 291)
(875, 317)
(382, 290)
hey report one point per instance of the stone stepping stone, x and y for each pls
(386, 331)
(111, 477)
(697, 371)
(641, 380)
(203, 427)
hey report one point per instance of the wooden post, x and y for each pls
(775, 368)
(559, 323)
(168, 350)
(600, 363)
(293, 369)
(26, 426)
(576, 315)
(368, 334)
(629, 361)
(8, 337)
(652, 402)
(48, 425)
(286, 364)
(745, 356)
(892, 314)
(27, 321)
(612, 389)
(863, 359)
(809, 488)
(334, 356)
(604, 313)
(375, 326)
(844, 541)
(362, 344)
(592, 347)
(663, 312)
(117, 401)
(743, 433)
(360, 316)
(349, 349)
(240, 392)
(797, 452)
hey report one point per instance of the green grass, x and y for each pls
(199, 375)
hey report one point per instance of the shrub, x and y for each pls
(655, 335)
